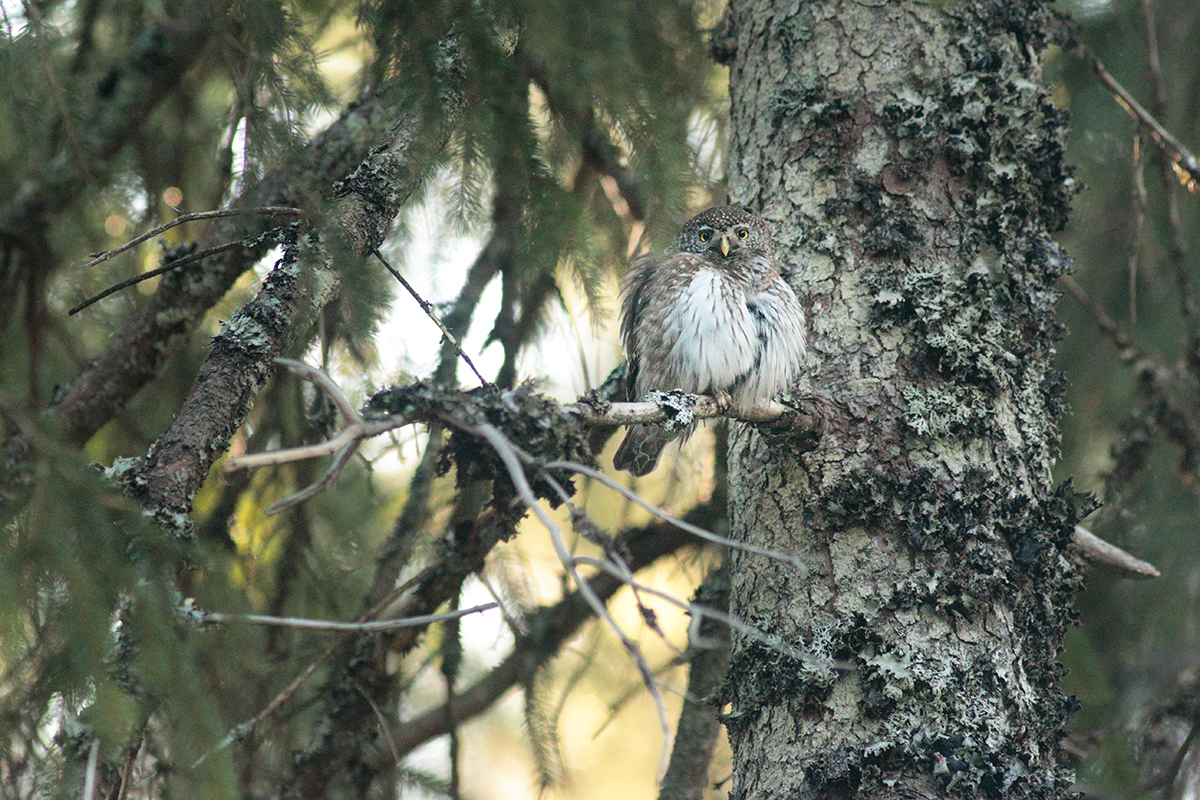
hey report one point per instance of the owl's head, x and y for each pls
(723, 232)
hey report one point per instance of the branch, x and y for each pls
(138, 351)
(550, 627)
(509, 455)
(1098, 551)
(497, 256)
(429, 312)
(291, 298)
(667, 407)
(229, 380)
(1185, 164)
(99, 258)
(337, 743)
(216, 617)
(699, 721)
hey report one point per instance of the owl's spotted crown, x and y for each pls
(710, 225)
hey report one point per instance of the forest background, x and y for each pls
(519, 217)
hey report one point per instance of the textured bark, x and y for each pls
(912, 163)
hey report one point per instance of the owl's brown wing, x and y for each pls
(633, 304)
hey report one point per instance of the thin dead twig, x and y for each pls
(98, 258)
(1186, 165)
(427, 307)
(154, 273)
(1101, 552)
(343, 444)
(695, 530)
(216, 617)
(508, 454)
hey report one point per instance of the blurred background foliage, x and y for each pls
(1135, 639)
(586, 131)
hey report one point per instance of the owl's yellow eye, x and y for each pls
(743, 233)
(705, 235)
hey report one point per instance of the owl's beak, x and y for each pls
(725, 246)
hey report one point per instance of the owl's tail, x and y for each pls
(639, 452)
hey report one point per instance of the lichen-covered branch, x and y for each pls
(375, 139)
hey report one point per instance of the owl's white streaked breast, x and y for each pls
(712, 339)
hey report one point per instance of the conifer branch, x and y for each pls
(181, 219)
(401, 154)
(597, 146)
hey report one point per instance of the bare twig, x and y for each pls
(93, 761)
(699, 721)
(320, 378)
(1177, 251)
(695, 609)
(1185, 164)
(336, 625)
(1109, 555)
(508, 455)
(99, 258)
(343, 444)
(708, 536)
(244, 728)
(1140, 202)
(550, 627)
(704, 407)
(429, 312)
(1126, 350)
(170, 266)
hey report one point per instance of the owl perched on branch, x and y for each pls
(710, 315)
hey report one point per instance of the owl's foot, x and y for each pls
(724, 401)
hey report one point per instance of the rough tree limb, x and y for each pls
(139, 349)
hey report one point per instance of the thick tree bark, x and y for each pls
(912, 165)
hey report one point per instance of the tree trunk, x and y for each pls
(912, 165)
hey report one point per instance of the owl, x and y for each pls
(710, 315)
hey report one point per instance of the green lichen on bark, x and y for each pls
(913, 163)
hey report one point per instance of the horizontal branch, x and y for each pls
(702, 407)
(664, 407)
(370, 626)
(1098, 551)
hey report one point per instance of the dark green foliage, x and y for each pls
(113, 112)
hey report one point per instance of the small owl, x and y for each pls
(710, 315)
